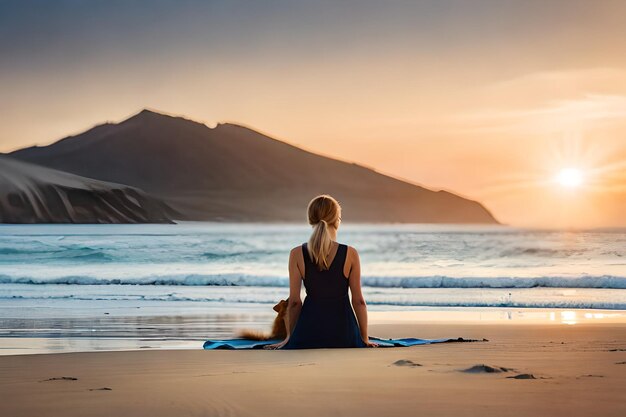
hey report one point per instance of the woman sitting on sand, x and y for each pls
(328, 269)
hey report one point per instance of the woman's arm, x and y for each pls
(295, 302)
(295, 287)
(358, 301)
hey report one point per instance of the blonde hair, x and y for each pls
(323, 212)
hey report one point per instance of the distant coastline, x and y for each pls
(231, 173)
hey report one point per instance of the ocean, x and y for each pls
(112, 281)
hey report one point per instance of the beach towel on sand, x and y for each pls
(384, 343)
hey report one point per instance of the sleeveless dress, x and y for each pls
(326, 318)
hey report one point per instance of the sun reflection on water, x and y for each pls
(568, 317)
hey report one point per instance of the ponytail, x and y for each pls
(320, 245)
(322, 210)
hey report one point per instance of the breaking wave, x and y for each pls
(585, 281)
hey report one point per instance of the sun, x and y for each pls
(570, 177)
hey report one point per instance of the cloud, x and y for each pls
(571, 115)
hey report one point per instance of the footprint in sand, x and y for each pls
(522, 376)
(486, 369)
(61, 378)
(406, 362)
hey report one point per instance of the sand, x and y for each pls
(31, 193)
(543, 370)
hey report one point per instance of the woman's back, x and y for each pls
(330, 283)
(327, 319)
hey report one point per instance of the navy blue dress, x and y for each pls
(326, 319)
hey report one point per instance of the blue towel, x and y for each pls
(385, 343)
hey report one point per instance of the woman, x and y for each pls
(328, 269)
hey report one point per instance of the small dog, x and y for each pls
(279, 328)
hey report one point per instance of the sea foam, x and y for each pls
(603, 281)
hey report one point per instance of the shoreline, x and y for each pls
(155, 329)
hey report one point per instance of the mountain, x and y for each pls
(34, 194)
(233, 173)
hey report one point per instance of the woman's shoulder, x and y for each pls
(297, 250)
(350, 248)
(351, 251)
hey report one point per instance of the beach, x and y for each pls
(577, 370)
(110, 320)
(185, 185)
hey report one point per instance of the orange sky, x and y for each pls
(486, 99)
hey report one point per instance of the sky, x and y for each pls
(499, 101)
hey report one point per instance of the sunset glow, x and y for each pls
(570, 177)
(506, 111)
